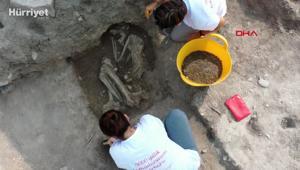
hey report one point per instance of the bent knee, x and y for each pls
(178, 38)
(176, 113)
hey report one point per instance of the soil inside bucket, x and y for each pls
(202, 67)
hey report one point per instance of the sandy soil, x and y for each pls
(202, 67)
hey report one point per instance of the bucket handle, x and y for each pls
(220, 37)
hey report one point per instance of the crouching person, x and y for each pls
(151, 144)
(184, 20)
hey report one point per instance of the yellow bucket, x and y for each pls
(210, 45)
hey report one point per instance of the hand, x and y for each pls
(149, 9)
(109, 141)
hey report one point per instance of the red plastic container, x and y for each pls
(237, 107)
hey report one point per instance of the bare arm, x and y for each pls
(150, 8)
(221, 24)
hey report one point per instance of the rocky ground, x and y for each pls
(262, 141)
(50, 99)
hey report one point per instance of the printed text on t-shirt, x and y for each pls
(155, 160)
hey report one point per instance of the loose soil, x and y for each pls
(202, 67)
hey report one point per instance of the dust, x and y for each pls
(202, 67)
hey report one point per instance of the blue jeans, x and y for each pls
(180, 32)
(179, 130)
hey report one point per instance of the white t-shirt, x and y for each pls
(204, 14)
(150, 148)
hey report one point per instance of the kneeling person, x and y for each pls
(151, 144)
(188, 19)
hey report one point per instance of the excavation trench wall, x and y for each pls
(27, 43)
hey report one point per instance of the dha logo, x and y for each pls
(28, 12)
(242, 33)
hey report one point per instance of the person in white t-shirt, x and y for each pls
(188, 19)
(150, 144)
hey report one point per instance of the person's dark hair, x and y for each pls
(170, 13)
(114, 123)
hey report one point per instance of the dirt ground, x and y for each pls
(272, 55)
